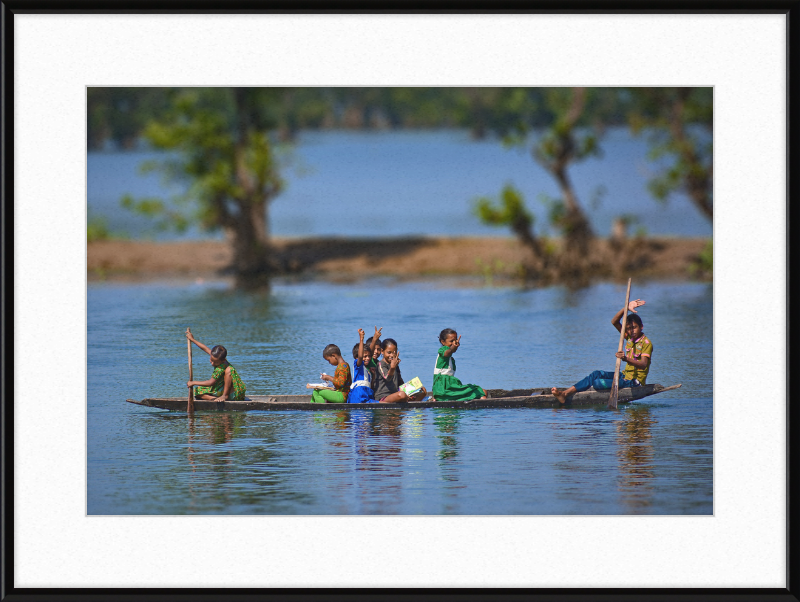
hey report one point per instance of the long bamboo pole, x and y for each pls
(612, 399)
(190, 403)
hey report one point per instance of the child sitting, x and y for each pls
(364, 368)
(388, 379)
(341, 378)
(376, 354)
(446, 387)
(637, 354)
(224, 383)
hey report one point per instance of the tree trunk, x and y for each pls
(697, 180)
(576, 227)
(249, 230)
(574, 257)
(252, 261)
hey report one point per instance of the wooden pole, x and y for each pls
(612, 399)
(190, 403)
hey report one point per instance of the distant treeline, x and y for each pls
(119, 115)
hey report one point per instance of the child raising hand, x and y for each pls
(446, 387)
(637, 356)
(224, 384)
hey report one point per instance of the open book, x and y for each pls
(324, 385)
(412, 386)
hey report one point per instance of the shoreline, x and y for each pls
(351, 259)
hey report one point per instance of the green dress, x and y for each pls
(446, 387)
(237, 390)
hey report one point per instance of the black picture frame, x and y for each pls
(8, 590)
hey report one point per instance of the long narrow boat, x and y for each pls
(539, 397)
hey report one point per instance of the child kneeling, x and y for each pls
(224, 384)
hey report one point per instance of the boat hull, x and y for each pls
(498, 398)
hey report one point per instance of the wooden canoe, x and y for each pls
(498, 398)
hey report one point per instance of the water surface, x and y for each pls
(414, 183)
(650, 457)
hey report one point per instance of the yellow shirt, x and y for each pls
(642, 348)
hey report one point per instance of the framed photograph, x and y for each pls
(104, 496)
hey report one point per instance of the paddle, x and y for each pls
(190, 403)
(612, 399)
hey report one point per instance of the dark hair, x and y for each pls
(389, 342)
(219, 352)
(355, 350)
(446, 333)
(634, 319)
(369, 340)
(331, 350)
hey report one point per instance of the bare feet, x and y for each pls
(561, 396)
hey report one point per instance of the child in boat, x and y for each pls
(376, 354)
(446, 387)
(224, 384)
(341, 379)
(638, 353)
(388, 378)
(364, 369)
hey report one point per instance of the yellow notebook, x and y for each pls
(412, 386)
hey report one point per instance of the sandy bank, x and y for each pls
(347, 258)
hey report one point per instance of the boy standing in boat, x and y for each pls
(637, 354)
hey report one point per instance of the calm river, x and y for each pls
(650, 457)
(413, 183)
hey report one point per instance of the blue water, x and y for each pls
(413, 183)
(650, 457)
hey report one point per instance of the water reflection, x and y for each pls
(636, 458)
(365, 458)
(210, 430)
(385, 456)
(446, 423)
(232, 460)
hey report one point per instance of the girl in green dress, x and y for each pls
(446, 387)
(224, 384)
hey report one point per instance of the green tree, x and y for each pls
(570, 136)
(561, 145)
(511, 211)
(679, 125)
(221, 149)
(121, 114)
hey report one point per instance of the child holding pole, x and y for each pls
(225, 383)
(637, 354)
